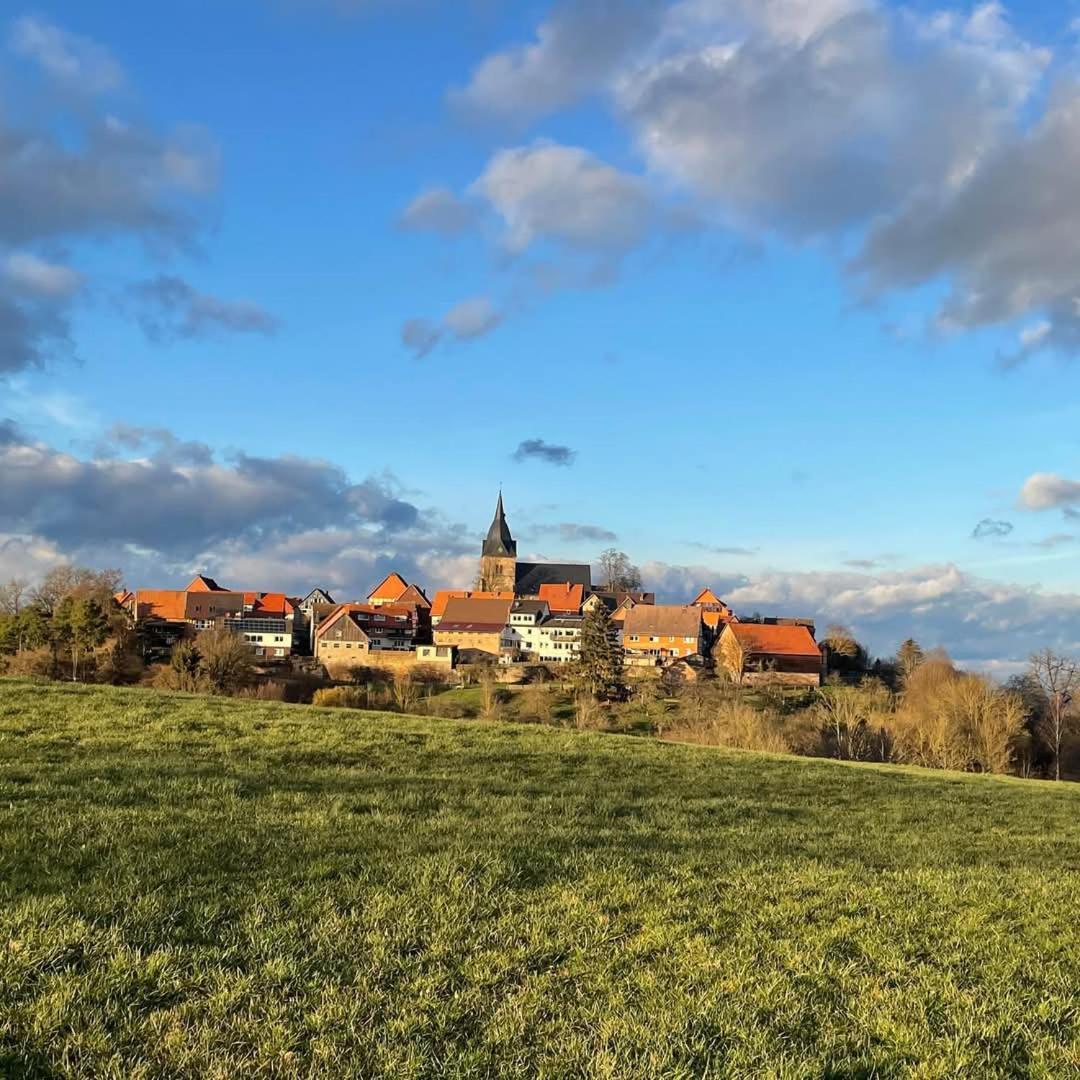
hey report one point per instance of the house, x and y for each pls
(565, 597)
(444, 596)
(500, 570)
(523, 631)
(200, 604)
(767, 653)
(558, 639)
(388, 591)
(657, 633)
(617, 603)
(269, 638)
(354, 632)
(478, 624)
(316, 596)
(715, 614)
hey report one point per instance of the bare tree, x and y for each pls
(13, 595)
(1059, 679)
(618, 572)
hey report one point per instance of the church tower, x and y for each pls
(498, 558)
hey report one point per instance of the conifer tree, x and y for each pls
(600, 658)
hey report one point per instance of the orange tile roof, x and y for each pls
(566, 597)
(707, 596)
(774, 640)
(390, 588)
(444, 596)
(169, 604)
(271, 604)
(201, 583)
(713, 619)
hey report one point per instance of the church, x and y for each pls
(501, 571)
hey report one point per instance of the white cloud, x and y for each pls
(979, 621)
(438, 210)
(31, 274)
(1049, 491)
(465, 321)
(74, 62)
(567, 195)
(576, 49)
(472, 318)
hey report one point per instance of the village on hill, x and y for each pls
(519, 613)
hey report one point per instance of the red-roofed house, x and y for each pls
(659, 633)
(757, 653)
(389, 590)
(474, 623)
(563, 599)
(715, 614)
(444, 596)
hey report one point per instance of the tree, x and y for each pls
(618, 572)
(491, 694)
(80, 626)
(33, 631)
(9, 635)
(600, 660)
(1058, 678)
(78, 583)
(844, 651)
(184, 670)
(226, 660)
(908, 657)
(13, 596)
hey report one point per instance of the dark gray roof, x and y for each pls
(531, 607)
(564, 622)
(499, 541)
(530, 576)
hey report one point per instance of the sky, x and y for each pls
(777, 296)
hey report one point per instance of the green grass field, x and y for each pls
(209, 888)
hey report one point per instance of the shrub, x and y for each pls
(450, 709)
(341, 697)
(737, 725)
(225, 661)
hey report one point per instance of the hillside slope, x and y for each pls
(207, 888)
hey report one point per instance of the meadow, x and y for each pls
(195, 887)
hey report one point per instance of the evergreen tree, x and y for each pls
(79, 625)
(33, 631)
(600, 658)
(9, 635)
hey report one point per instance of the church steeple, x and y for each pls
(499, 542)
(498, 557)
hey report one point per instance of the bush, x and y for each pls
(341, 697)
(449, 709)
(741, 727)
(951, 720)
(36, 663)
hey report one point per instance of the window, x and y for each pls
(688, 640)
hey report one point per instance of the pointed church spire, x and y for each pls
(499, 542)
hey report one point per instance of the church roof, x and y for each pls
(499, 542)
(530, 576)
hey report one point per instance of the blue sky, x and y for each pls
(786, 291)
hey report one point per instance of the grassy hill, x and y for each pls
(219, 888)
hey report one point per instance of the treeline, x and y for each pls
(915, 708)
(68, 627)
